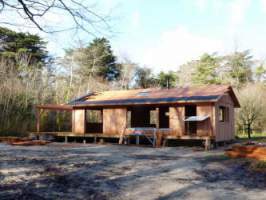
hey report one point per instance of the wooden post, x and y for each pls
(137, 140)
(121, 138)
(158, 138)
(207, 143)
(157, 118)
(158, 134)
(66, 139)
(38, 113)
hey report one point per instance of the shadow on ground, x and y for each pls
(59, 171)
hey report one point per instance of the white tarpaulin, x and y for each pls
(196, 118)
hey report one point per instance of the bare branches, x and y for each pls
(80, 16)
(252, 111)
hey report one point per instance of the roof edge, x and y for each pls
(233, 96)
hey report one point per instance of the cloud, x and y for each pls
(135, 20)
(238, 10)
(201, 5)
(263, 4)
(176, 47)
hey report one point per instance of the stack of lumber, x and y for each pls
(30, 142)
(248, 151)
(22, 141)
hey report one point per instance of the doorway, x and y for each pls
(94, 121)
(190, 126)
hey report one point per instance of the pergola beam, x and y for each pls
(55, 107)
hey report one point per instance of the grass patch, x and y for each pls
(258, 137)
(253, 135)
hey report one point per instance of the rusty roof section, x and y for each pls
(206, 93)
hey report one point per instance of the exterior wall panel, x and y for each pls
(78, 121)
(225, 130)
(176, 120)
(114, 121)
(206, 127)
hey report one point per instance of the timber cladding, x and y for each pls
(225, 130)
(177, 124)
(114, 121)
(206, 127)
(78, 121)
(176, 120)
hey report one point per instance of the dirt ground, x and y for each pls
(88, 171)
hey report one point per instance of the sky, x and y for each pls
(164, 34)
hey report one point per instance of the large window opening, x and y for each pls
(141, 117)
(56, 121)
(190, 126)
(94, 121)
(151, 117)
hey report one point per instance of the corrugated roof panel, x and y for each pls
(155, 96)
(196, 118)
(148, 100)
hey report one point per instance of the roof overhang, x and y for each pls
(233, 96)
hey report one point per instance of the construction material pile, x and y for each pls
(247, 151)
(22, 141)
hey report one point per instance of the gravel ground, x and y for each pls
(79, 171)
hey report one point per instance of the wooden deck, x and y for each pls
(71, 134)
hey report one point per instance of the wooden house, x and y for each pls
(198, 112)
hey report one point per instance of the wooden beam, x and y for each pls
(55, 107)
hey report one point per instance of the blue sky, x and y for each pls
(163, 34)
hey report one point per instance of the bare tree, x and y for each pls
(82, 15)
(128, 69)
(252, 101)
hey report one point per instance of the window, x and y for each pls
(94, 116)
(223, 114)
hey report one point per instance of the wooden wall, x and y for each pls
(176, 120)
(78, 121)
(205, 128)
(114, 121)
(225, 130)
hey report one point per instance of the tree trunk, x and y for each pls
(249, 131)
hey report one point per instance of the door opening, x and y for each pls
(190, 126)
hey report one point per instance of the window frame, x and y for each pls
(223, 114)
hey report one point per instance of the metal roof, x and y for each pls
(206, 93)
(148, 100)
